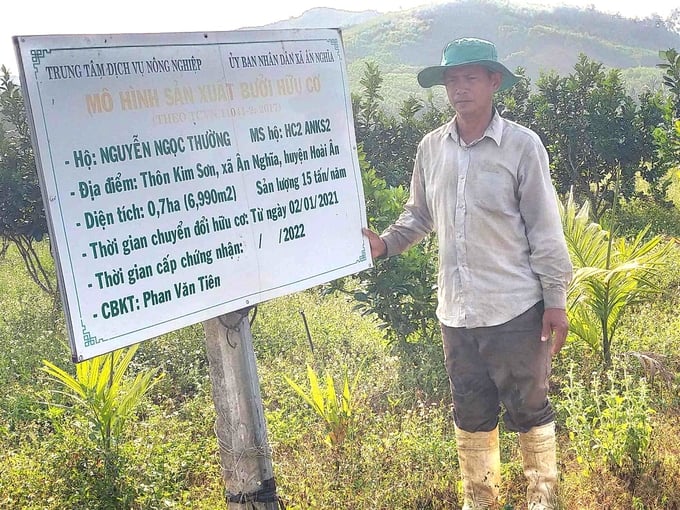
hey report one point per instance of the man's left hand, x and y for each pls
(555, 323)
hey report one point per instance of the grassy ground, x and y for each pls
(399, 452)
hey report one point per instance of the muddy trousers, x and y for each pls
(502, 369)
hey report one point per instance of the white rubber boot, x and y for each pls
(480, 468)
(540, 466)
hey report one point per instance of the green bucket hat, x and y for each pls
(463, 52)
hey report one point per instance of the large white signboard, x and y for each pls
(189, 175)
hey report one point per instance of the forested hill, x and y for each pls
(535, 39)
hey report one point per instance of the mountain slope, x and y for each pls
(537, 40)
(325, 17)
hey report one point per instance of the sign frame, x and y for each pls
(289, 141)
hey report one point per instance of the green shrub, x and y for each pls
(31, 328)
(335, 408)
(400, 458)
(609, 420)
(166, 461)
(101, 392)
(610, 275)
(638, 213)
(180, 355)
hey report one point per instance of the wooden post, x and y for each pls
(245, 456)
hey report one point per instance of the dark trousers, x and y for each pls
(505, 364)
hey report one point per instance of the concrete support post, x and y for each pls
(245, 456)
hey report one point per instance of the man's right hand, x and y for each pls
(378, 246)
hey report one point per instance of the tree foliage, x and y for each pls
(399, 291)
(22, 216)
(671, 78)
(667, 135)
(593, 131)
(390, 141)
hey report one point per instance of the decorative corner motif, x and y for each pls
(37, 56)
(336, 44)
(89, 339)
(362, 257)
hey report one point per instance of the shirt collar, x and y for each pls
(494, 130)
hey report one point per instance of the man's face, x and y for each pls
(470, 88)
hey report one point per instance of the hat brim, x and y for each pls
(431, 76)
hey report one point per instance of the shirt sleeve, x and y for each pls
(549, 256)
(415, 222)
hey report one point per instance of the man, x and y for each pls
(482, 183)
